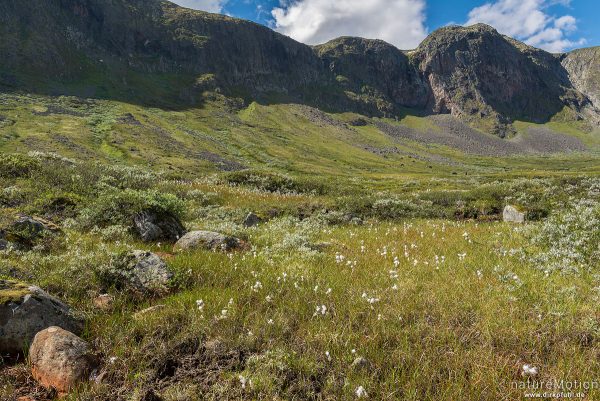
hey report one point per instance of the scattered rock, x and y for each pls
(151, 226)
(60, 360)
(252, 220)
(26, 231)
(207, 240)
(24, 311)
(141, 271)
(360, 363)
(358, 122)
(104, 301)
(512, 215)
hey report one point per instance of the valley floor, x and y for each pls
(381, 268)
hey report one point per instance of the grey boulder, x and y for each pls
(512, 215)
(207, 240)
(151, 226)
(25, 310)
(141, 272)
(252, 220)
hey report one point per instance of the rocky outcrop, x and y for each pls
(474, 72)
(25, 310)
(152, 226)
(208, 240)
(60, 360)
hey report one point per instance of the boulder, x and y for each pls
(207, 240)
(24, 311)
(140, 271)
(151, 226)
(25, 231)
(61, 360)
(512, 215)
(252, 220)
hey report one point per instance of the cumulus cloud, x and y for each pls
(529, 21)
(213, 6)
(399, 22)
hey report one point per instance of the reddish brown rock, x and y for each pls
(104, 301)
(60, 360)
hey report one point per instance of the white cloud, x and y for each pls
(213, 6)
(399, 22)
(529, 21)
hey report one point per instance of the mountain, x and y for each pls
(156, 53)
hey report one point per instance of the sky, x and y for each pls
(553, 25)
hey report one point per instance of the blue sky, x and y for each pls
(554, 25)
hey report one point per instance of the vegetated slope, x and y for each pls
(154, 52)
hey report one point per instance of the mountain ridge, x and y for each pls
(161, 53)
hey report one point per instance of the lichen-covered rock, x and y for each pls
(61, 360)
(207, 240)
(151, 226)
(512, 215)
(25, 231)
(141, 272)
(25, 310)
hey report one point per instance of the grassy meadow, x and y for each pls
(382, 269)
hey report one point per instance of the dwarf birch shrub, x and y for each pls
(569, 240)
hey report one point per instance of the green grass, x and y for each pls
(468, 302)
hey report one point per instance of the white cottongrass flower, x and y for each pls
(328, 291)
(320, 310)
(200, 304)
(243, 381)
(529, 370)
(361, 392)
(328, 356)
(270, 322)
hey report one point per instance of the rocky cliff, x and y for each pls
(155, 51)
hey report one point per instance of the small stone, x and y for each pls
(207, 240)
(104, 301)
(251, 220)
(60, 360)
(360, 363)
(512, 215)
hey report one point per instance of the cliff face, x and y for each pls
(475, 72)
(66, 37)
(362, 66)
(583, 66)
(153, 49)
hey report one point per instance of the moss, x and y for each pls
(12, 291)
